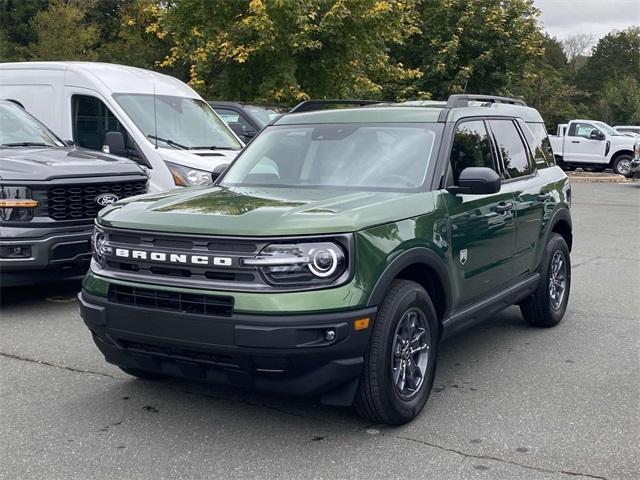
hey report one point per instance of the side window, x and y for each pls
(91, 120)
(513, 152)
(538, 140)
(581, 130)
(471, 148)
(231, 116)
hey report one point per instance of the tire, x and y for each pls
(622, 165)
(541, 309)
(564, 166)
(379, 398)
(142, 374)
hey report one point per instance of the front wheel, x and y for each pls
(622, 165)
(547, 305)
(400, 363)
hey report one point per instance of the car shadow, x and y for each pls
(62, 290)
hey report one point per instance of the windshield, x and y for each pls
(606, 128)
(264, 115)
(19, 129)
(353, 156)
(182, 123)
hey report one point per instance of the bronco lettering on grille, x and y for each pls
(173, 257)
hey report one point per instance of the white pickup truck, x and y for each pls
(592, 144)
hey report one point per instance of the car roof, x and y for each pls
(115, 78)
(415, 111)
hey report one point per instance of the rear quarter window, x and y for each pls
(538, 140)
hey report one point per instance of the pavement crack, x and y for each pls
(55, 365)
(501, 460)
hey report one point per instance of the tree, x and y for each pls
(16, 31)
(619, 102)
(128, 39)
(62, 32)
(478, 47)
(615, 56)
(284, 51)
(576, 48)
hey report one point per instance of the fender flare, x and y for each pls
(561, 214)
(416, 255)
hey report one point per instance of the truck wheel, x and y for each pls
(143, 374)
(564, 166)
(547, 305)
(400, 364)
(622, 165)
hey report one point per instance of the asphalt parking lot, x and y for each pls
(509, 401)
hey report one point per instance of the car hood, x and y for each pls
(46, 163)
(205, 160)
(246, 211)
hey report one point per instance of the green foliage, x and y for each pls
(16, 31)
(62, 33)
(285, 51)
(472, 46)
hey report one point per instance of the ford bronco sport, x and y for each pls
(336, 251)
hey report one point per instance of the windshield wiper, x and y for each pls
(213, 147)
(27, 144)
(170, 142)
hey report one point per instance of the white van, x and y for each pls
(154, 119)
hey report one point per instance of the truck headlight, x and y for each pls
(16, 204)
(301, 263)
(188, 177)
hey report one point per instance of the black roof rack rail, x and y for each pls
(462, 100)
(312, 105)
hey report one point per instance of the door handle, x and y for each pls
(575, 141)
(503, 207)
(543, 197)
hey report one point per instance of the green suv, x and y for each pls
(332, 256)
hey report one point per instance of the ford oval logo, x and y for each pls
(106, 199)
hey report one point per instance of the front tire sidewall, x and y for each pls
(617, 162)
(396, 410)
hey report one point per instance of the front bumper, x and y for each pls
(278, 353)
(635, 169)
(54, 253)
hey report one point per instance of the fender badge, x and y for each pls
(463, 256)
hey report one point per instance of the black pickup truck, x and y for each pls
(50, 193)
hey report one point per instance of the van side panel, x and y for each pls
(40, 93)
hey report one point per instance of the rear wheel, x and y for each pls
(400, 363)
(547, 305)
(143, 374)
(622, 165)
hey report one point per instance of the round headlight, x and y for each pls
(323, 262)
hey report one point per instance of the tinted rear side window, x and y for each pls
(513, 152)
(538, 140)
(471, 148)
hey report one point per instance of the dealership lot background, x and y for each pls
(508, 401)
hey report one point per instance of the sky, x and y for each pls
(563, 18)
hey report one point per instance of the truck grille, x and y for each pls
(172, 301)
(78, 202)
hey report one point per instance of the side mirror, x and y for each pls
(218, 171)
(477, 181)
(596, 135)
(114, 144)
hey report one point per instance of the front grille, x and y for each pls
(172, 301)
(78, 202)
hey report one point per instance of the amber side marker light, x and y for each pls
(361, 324)
(18, 203)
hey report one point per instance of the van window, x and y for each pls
(91, 120)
